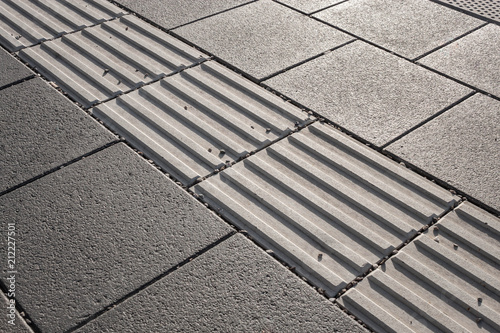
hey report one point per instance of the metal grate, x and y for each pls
(489, 9)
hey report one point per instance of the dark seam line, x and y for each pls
(32, 76)
(320, 10)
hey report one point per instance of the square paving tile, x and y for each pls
(372, 93)
(311, 5)
(41, 129)
(461, 147)
(95, 231)
(474, 59)
(235, 287)
(262, 38)
(11, 70)
(408, 28)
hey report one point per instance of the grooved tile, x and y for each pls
(24, 23)
(325, 203)
(106, 60)
(489, 9)
(446, 280)
(199, 120)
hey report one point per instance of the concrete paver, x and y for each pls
(235, 287)
(460, 147)
(309, 6)
(409, 28)
(262, 38)
(17, 324)
(373, 94)
(11, 70)
(445, 280)
(97, 230)
(41, 130)
(471, 59)
(326, 204)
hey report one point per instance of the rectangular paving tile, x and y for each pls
(200, 120)
(41, 130)
(24, 23)
(446, 280)
(263, 37)
(471, 59)
(234, 287)
(369, 92)
(11, 70)
(91, 233)
(326, 204)
(106, 60)
(409, 28)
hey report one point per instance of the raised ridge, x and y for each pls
(445, 280)
(326, 204)
(24, 23)
(200, 120)
(111, 58)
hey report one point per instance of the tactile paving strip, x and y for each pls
(24, 23)
(201, 119)
(98, 63)
(489, 9)
(446, 280)
(326, 204)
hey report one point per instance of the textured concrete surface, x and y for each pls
(461, 147)
(96, 230)
(471, 59)
(409, 29)
(41, 129)
(262, 38)
(11, 70)
(18, 326)
(235, 287)
(372, 93)
(310, 5)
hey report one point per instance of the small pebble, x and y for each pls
(209, 150)
(320, 256)
(270, 251)
(436, 239)
(222, 151)
(478, 319)
(455, 246)
(268, 130)
(395, 252)
(185, 107)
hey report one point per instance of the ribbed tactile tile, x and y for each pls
(200, 120)
(24, 23)
(444, 281)
(489, 9)
(106, 60)
(325, 204)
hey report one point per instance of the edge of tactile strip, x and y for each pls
(325, 204)
(24, 23)
(200, 120)
(445, 280)
(103, 61)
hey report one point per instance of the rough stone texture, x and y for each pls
(234, 287)
(41, 129)
(309, 6)
(474, 59)
(409, 28)
(19, 326)
(172, 13)
(263, 37)
(95, 231)
(374, 94)
(11, 70)
(460, 147)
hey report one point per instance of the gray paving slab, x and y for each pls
(173, 13)
(409, 28)
(262, 38)
(309, 6)
(235, 287)
(446, 280)
(97, 230)
(472, 59)
(11, 70)
(461, 147)
(368, 91)
(11, 320)
(41, 129)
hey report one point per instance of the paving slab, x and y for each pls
(114, 57)
(200, 120)
(368, 91)
(489, 9)
(446, 280)
(11, 321)
(460, 147)
(24, 23)
(11, 70)
(173, 13)
(309, 6)
(97, 230)
(262, 38)
(409, 29)
(41, 130)
(325, 204)
(235, 287)
(471, 59)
